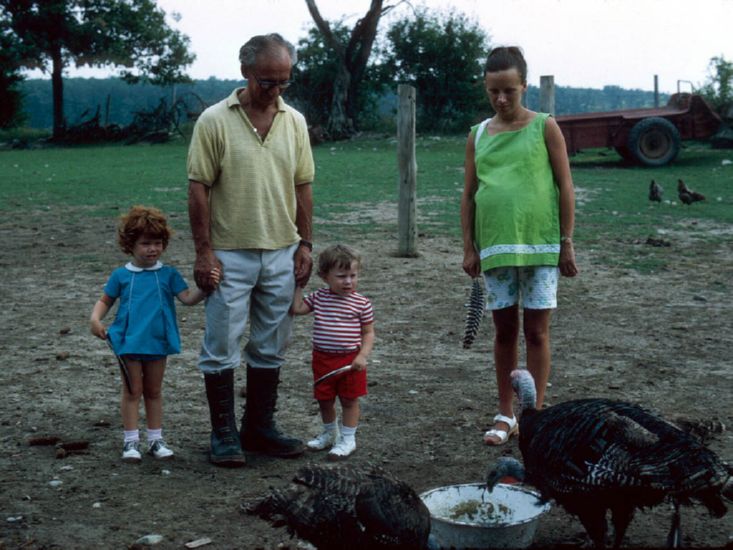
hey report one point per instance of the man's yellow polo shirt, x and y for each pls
(252, 182)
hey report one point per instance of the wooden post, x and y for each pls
(547, 94)
(407, 208)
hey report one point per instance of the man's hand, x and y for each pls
(206, 271)
(303, 266)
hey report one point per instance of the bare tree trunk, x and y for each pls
(340, 125)
(353, 58)
(57, 85)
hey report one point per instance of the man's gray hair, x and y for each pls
(262, 44)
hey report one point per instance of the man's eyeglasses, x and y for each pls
(270, 84)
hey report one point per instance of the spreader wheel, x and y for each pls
(654, 141)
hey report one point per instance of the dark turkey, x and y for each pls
(347, 506)
(595, 455)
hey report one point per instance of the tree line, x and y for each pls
(344, 80)
(117, 102)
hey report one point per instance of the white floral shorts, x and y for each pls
(536, 285)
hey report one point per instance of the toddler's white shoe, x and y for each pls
(344, 447)
(159, 449)
(326, 439)
(131, 452)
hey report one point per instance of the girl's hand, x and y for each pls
(98, 329)
(567, 265)
(215, 276)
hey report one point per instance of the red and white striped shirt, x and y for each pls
(338, 320)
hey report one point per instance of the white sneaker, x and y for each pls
(327, 438)
(131, 452)
(159, 449)
(343, 448)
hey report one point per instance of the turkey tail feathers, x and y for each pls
(476, 307)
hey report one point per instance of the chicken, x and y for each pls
(655, 192)
(687, 195)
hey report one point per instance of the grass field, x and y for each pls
(360, 176)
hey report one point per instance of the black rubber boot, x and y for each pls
(225, 448)
(259, 433)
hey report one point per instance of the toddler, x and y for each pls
(343, 334)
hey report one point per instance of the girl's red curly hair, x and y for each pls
(142, 221)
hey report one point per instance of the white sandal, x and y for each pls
(502, 435)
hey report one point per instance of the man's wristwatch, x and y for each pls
(307, 244)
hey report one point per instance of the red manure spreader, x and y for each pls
(648, 136)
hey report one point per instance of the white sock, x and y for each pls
(132, 435)
(348, 432)
(154, 435)
(329, 426)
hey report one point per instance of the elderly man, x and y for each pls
(250, 169)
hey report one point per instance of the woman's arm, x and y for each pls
(471, 260)
(555, 143)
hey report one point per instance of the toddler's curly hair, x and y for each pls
(338, 256)
(142, 221)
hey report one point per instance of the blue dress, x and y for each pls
(145, 322)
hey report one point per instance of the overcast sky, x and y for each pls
(583, 43)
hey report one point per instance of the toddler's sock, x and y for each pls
(132, 435)
(154, 434)
(348, 432)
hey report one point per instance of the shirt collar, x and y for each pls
(233, 100)
(135, 269)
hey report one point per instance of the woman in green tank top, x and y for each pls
(517, 217)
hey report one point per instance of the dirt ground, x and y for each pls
(662, 341)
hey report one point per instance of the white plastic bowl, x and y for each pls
(468, 516)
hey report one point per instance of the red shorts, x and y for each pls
(349, 385)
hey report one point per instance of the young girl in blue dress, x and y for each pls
(144, 331)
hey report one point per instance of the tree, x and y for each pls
(11, 98)
(129, 34)
(442, 56)
(351, 58)
(315, 73)
(718, 89)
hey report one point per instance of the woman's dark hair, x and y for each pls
(504, 58)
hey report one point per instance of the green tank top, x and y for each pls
(517, 215)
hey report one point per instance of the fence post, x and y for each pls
(407, 207)
(547, 94)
